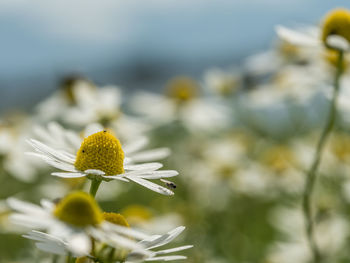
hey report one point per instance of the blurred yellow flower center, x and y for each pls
(137, 214)
(115, 218)
(182, 89)
(79, 209)
(337, 22)
(101, 151)
(278, 158)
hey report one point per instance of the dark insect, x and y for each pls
(168, 184)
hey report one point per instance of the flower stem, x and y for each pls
(95, 184)
(69, 258)
(312, 172)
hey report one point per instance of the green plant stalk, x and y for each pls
(70, 259)
(54, 259)
(95, 184)
(312, 172)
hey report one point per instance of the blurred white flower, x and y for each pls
(182, 103)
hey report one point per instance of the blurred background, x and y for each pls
(131, 43)
(240, 109)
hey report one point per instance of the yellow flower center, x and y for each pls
(137, 214)
(115, 218)
(341, 147)
(337, 22)
(79, 209)
(182, 89)
(278, 158)
(101, 151)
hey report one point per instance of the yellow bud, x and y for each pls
(182, 89)
(79, 209)
(336, 22)
(101, 151)
(115, 218)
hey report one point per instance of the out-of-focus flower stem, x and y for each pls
(95, 184)
(311, 174)
(54, 259)
(70, 259)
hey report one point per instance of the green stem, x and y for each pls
(311, 174)
(54, 259)
(95, 184)
(69, 258)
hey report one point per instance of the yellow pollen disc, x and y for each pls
(182, 89)
(337, 22)
(278, 158)
(137, 214)
(115, 218)
(79, 209)
(101, 151)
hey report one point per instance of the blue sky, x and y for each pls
(42, 39)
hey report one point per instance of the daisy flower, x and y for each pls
(223, 83)
(108, 250)
(101, 157)
(334, 33)
(80, 102)
(69, 224)
(13, 134)
(182, 102)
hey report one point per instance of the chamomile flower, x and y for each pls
(333, 34)
(68, 225)
(108, 246)
(223, 83)
(148, 243)
(101, 157)
(331, 235)
(80, 102)
(182, 101)
(13, 133)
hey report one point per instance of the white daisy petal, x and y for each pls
(69, 175)
(152, 186)
(73, 139)
(338, 42)
(92, 128)
(171, 250)
(79, 244)
(116, 177)
(30, 221)
(53, 248)
(25, 207)
(46, 204)
(41, 236)
(124, 230)
(296, 38)
(144, 166)
(135, 145)
(166, 258)
(94, 171)
(167, 238)
(150, 155)
(42, 148)
(158, 174)
(43, 134)
(115, 239)
(54, 162)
